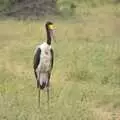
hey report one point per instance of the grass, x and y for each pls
(85, 81)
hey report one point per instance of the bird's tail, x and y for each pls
(43, 80)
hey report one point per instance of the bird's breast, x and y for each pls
(45, 61)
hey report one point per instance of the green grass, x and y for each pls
(85, 80)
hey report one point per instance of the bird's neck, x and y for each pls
(48, 37)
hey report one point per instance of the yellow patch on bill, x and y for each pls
(51, 27)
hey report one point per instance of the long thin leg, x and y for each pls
(39, 97)
(48, 90)
(48, 96)
(39, 91)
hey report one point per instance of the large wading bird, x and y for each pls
(43, 61)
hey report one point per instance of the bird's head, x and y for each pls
(50, 29)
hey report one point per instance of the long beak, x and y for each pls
(52, 32)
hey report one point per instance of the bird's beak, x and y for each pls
(52, 32)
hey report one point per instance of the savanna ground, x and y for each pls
(85, 83)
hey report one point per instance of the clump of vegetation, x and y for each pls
(65, 7)
(6, 4)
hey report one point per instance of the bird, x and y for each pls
(43, 61)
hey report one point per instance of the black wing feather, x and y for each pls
(52, 58)
(36, 60)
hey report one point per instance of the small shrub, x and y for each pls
(67, 7)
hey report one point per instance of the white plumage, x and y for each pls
(44, 65)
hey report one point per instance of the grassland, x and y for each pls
(85, 82)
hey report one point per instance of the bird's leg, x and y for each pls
(48, 92)
(39, 97)
(48, 96)
(39, 91)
